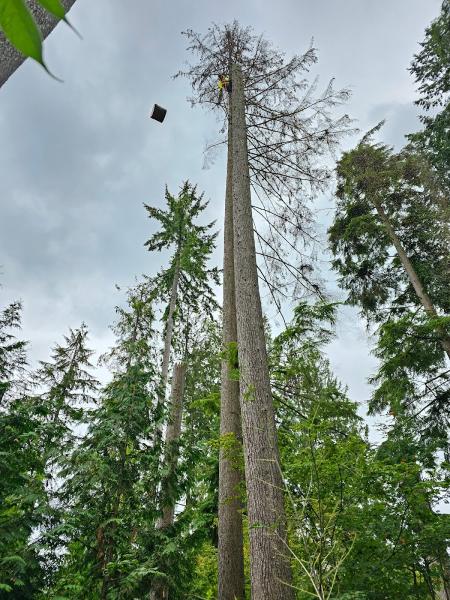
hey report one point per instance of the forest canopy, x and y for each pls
(211, 450)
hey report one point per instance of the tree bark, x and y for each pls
(444, 566)
(167, 345)
(11, 58)
(160, 590)
(231, 560)
(270, 567)
(171, 442)
(412, 275)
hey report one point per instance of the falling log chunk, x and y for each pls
(158, 113)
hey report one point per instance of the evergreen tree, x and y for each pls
(12, 351)
(190, 481)
(431, 70)
(109, 507)
(64, 387)
(396, 271)
(185, 290)
(23, 499)
(187, 275)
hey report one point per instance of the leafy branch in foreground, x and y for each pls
(25, 28)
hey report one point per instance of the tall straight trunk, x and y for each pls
(412, 275)
(160, 590)
(167, 344)
(171, 442)
(270, 566)
(231, 560)
(10, 58)
(442, 559)
(444, 568)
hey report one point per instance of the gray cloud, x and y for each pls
(78, 159)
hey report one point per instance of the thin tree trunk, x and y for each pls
(412, 275)
(429, 579)
(160, 590)
(109, 543)
(171, 442)
(442, 559)
(444, 567)
(270, 568)
(10, 58)
(231, 560)
(167, 346)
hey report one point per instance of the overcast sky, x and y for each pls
(78, 159)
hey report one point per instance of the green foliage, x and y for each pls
(192, 244)
(110, 479)
(363, 254)
(19, 26)
(409, 341)
(231, 355)
(360, 519)
(54, 7)
(431, 66)
(198, 470)
(23, 500)
(204, 584)
(135, 331)
(67, 387)
(410, 353)
(12, 351)
(431, 71)
(361, 523)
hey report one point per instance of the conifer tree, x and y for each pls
(23, 500)
(431, 70)
(189, 476)
(187, 274)
(67, 386)
(109, 507)
(185, 290)
(12, 351)
(396, 271)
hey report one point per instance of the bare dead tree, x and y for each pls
(291, 133)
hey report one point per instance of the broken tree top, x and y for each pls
(158, 113)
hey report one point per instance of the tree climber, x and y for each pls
(224, 83)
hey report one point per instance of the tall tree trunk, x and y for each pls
(160, 590)
(10, 58)
(444, 567)
(270, 567)
(167, 345)
(412, 275)
(231, 560)
(171, 443)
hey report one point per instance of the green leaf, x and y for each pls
(17, 560)
(19, 27)
(56, 8)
